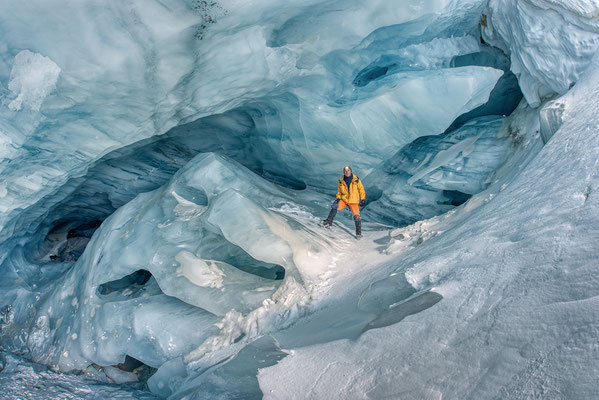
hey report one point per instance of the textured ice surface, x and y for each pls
(21, 379)
(188, 235)
(164, 175)
(171, 64)
(440, 171)
(551, 118)
(550, 42)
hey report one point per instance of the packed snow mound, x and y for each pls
(551, 43)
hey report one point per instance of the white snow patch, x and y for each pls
(32, 78)
(198, 271)
(287, 304)
(187, 210)
(120, 376)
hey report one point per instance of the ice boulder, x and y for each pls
(215, 242)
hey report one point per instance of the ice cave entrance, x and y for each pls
(438, 172)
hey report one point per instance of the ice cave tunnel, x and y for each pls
(165, 166)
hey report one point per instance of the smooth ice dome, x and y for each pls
(166, 165)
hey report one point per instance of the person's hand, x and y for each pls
(362, 202)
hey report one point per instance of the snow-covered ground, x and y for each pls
(165, 167)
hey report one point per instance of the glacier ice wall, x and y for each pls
(164, 174)
(440, 171)
(302, 91)
(541, 35)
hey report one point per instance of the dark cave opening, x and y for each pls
(130, 285)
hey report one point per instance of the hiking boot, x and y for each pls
(358, 228)
(329, 221)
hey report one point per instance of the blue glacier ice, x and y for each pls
(440, 171)
(165, 166)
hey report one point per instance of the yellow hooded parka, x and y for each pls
(356, 191)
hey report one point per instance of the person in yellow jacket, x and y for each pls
(350, 192)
